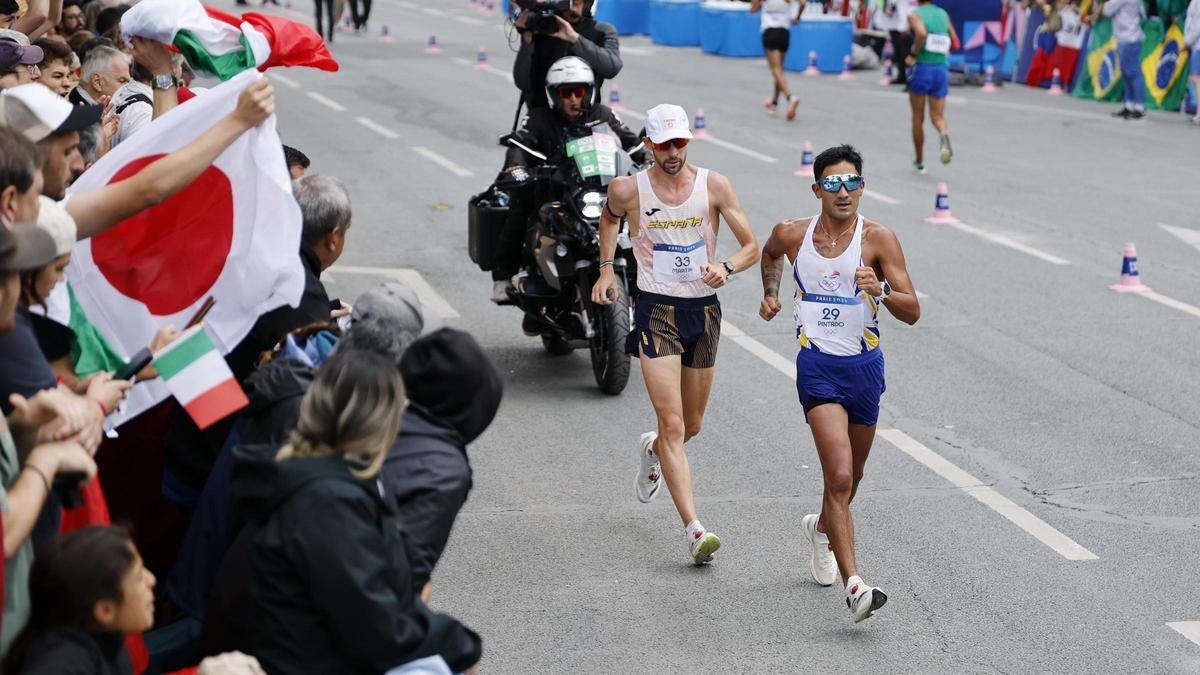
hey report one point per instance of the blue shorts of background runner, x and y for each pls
(853, 382)
(929, 79)
(1194, 62)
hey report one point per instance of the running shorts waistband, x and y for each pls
(673, 301)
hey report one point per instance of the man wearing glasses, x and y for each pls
(845, 269)
(674, 210)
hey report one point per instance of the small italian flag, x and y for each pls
(222, 44)
(201, 381)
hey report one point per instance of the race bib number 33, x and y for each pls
(674, 263)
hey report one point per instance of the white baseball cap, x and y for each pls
(666, 121)
(35, 111)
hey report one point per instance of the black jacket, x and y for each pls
(455, 392)
(328, 588)
(597, 44)
(544, 130)
(190, 452)
(74, 651)
(275, 392)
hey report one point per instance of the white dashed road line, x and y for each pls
(441, 161)
(1188, 629)
(327, 102)
(768, 355)
(1038, 528)
(1171, 302)
(467, 20)
(409, 277)
(377, 128)
(1010, 243)
(625, 112)
(285, 81)
(1190, 237)
(878, 196)
(433, 11)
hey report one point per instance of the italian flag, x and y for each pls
(201, 381)
(222, 44)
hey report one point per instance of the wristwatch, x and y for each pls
(164, 82)
(728, 268)
(885, 291)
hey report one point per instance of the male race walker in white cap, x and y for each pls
(845, 268)
(674, 210)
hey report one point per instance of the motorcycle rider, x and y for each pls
(574, 102)
(578, 34)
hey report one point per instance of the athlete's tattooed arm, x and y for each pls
(780, 244)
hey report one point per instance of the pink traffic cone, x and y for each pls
(806, 161)
(989, 81)
(887, 73)
(1131, 281)
(941, 210)
(1056, 88)
(700, 128)
(385, 34)
(481, 61)
(614, 98)
(847, 70)
(432, 47)
(812, 70)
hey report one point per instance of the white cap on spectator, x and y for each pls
(55, 221)
(37, 112)
(667, 121)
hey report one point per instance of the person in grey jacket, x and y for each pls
(578, 35)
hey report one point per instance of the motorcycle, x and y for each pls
(563, 246)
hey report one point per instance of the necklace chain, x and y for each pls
(833, 240)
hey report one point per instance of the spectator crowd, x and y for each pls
(300, 534)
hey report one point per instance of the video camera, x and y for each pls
(541, 14)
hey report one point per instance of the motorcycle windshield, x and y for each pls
(596, 157)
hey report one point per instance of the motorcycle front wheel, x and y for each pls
(610, 363)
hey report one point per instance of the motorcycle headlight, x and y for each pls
(591, 204)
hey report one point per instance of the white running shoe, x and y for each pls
(649, 476)
(864, 601)
(822, 564)
(704, 545)
(500, 291)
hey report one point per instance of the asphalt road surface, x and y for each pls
(1033, 501)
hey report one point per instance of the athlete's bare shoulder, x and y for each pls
(718, 185)
(622, 190)
(877, 234)
(786, 237)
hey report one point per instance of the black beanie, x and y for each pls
(447, 375)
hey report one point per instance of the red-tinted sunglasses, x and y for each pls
(678, 143)
(572, 91)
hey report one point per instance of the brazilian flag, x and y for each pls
(1163, 59)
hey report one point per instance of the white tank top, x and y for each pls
(776, 13)
(832, 315)
(674, 241)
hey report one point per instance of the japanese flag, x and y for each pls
(233, 233)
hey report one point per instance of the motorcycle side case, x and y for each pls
(486, 215)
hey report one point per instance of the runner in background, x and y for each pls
(778, 16)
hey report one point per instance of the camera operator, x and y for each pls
(571, 101)
(575, 33)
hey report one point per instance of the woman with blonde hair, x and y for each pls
(318, 580)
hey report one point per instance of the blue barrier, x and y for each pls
(629, 16)
(829, 36)
(729, 29)
(675, 23)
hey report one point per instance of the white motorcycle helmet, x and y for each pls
(570, 70)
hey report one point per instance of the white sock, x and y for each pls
(854, 580)
(695, 530)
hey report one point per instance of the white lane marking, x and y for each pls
(739, 149)
(637, 51)
(1036, 527)
(1010, 243)
(768, 355)
(881, 197)
(1188, 236)
(327, 102)
(460, 61)
(1171, 302)
(284, 80)
(1188, 629)
(498, 73)
(441, 161)
(922, 296)
(377, 128)
(409, 277)
(405, 5)
(433, 11)
(467, 20)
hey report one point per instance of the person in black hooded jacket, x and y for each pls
(454, 392)
(323, 562)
